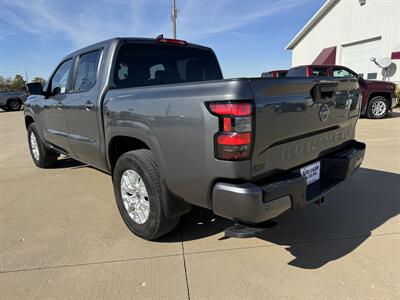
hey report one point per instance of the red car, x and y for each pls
(378, 97)
(275, 73)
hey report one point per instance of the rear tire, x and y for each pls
(137, 189)
(14, 105)
(41, 155)
(377, 108)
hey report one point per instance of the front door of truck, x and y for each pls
(55, 124)
(82, 111)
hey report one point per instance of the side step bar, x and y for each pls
(243, 231)
(247, 231)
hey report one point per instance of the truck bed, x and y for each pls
(288, 130)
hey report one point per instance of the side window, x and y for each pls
(319, 72)
(342, 73)
(86, 71)
(60, 80)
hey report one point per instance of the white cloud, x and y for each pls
(85, 23)
(92, 21)
(202, 19)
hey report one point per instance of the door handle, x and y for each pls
(324, 92)
(88, 105)
(59, 106)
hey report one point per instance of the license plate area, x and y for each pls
(311, 172)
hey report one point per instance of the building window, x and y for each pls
(372, 75)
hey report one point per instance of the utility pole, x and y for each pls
(26, 75)
(174, 15)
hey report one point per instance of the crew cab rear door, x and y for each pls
(82, 110)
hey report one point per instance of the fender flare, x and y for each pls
(174, 206)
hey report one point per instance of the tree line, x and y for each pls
(17, 83)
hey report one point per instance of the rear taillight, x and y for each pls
(234, 139)
(309, 72)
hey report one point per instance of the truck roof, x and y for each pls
(116, 40)
(319, 66)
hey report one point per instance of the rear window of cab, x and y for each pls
(157, 64)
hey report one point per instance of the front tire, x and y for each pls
(137, 189)
(41, 155)
(377, 108)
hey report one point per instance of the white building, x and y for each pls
(350, 33)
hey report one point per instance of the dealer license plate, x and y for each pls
(311, 172)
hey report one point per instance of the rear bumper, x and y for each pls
(252, 203)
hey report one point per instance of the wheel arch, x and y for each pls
(136, 135)
(386, 95)
(131, 135)
(121, 144)
(28, 121)
(18, 99)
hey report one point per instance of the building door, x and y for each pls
(357, 56)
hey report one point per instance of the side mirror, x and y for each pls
(34, 88)
(56, 90)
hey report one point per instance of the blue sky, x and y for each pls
(248, 36)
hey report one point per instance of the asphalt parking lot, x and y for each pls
(61, 236)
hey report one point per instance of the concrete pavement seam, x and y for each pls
(294, 243)
(89, 263)
(191, 253)
(184, 266)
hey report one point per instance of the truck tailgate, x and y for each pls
(299, 119)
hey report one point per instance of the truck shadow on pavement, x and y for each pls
(394, 114)
(316, 235)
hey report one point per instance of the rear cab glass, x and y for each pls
(149, 64)
(319, 71)
(296, 72)
(267, 75)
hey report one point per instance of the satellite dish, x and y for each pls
(384, 62)
(387, 66)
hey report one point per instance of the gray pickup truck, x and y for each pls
(158, 116)
(12, 100)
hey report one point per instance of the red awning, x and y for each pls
(326, 57)
(396, 55)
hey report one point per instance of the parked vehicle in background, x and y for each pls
(12, 101)
(378, 97)
(275, 73)
(158, 116)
